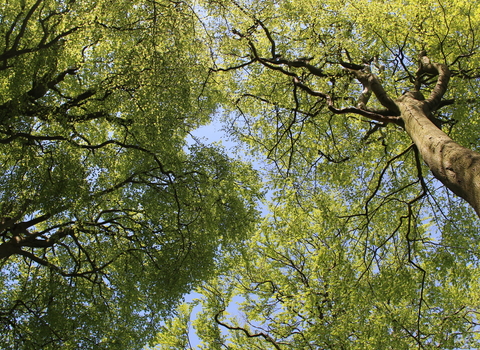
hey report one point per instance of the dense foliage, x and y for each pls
(362, 248)
(107, 216)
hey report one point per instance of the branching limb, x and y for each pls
(373, 84)
(369, 114)
(270, 38)
(434, 101)
(23, 27)
(233, 67)
(301, 63)
(13, 42)
(364, 98)
(41, 87)
(246, 332)
(370, 82)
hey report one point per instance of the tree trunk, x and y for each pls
(457, 167)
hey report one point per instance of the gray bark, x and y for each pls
(457, 167)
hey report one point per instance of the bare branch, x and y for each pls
(270, 38)
(24, 25)
(370, 82)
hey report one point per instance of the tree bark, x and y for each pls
(457, 167)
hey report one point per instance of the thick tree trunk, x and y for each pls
(457, 167)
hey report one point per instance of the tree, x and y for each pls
(353, 107)
(342, 49)
(107, 216)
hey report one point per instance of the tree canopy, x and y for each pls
(355, 109)
(107, 216)
(362, 118)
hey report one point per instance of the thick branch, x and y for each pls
(364, 97)
(41, 87)
(373, 84)
(434, 101)
(15, 53)
(15, 50)
(363, 112)
(24, 24)
(276, 60)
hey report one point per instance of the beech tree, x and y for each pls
(334, 61)
(365, 115)
(107, 216)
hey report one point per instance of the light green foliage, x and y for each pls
(309, 281)
(174, 334)
(362, 248)
(107, 217)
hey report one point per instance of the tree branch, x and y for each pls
(363, 112)
(370, 82)
(434, 101)
(373, 84)
(246, 332)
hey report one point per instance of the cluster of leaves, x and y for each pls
(107, 217)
